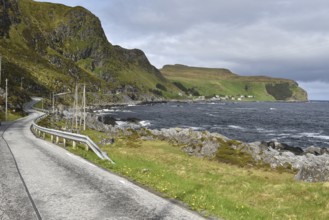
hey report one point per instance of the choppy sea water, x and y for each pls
(297, 124)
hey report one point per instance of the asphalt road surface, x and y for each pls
(39, 180)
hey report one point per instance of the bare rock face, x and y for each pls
(196, 143)
(314, 169)
(312, 163)
(9, 14)
(68, 45)
(316, 150)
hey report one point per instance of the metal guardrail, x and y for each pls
(69, 136)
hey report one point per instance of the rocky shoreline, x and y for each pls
(310, 164)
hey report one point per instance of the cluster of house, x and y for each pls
(227, 97)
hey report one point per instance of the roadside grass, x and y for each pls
(11, 116)
(213, 188)
(41, 105)
(208, 186)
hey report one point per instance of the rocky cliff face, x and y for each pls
(7, 8)
(53, 47)
(70, 44)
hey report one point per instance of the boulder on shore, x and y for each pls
(315, 169)
(311, 163)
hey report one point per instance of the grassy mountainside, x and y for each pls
(53, 46)
(210, 82)
(49, 48)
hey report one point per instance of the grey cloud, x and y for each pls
(172, 16)
(316, 90)
(282, 38)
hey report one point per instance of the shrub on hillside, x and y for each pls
(161, 87)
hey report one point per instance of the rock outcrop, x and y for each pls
(197, 143)
(312, 163)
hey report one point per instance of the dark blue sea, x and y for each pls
(297, 124)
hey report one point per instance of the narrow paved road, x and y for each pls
(14, 197)
(64, 186)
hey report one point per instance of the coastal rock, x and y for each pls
(209, 148)
(107, 120)
(314, 169)
(285, 147)
(107, 141)
(93, 122)
(312, 164)
(197, 143)
(314, 150)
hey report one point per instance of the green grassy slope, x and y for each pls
(54, 46)
(210, 82)
(51, 47)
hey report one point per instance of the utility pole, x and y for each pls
(0, 67)
(6, 99)
(84, 107)
(53, 103)
(76, 97)
(22, 83)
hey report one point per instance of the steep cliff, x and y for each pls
(50, 48)
(54, 46)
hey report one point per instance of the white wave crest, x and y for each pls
(236, 127)
(145, 123)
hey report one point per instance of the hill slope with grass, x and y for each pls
(212, 82)
(50, 47)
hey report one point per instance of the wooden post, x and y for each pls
(64, 142)
(74, 144)
(52, 138)
(87, 147)
(57, 139)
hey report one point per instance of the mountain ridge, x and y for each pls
(48, 48)
(70, 44)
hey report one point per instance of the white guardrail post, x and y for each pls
(75, 138)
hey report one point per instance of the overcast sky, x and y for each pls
(278, 38)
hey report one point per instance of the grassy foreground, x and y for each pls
(212, 188)
(11, 116)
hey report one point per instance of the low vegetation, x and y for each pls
(221, 187)
(229, 155)
(280, 91)
(12, 116)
